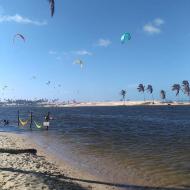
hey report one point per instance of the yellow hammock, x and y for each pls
(37, 125)
(23, 123)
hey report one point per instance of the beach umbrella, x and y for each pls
(125, 37)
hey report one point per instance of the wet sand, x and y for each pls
(26, 171)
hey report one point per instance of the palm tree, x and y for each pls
(52, 7)
(150, 90)
(141, 88)
(177, 88)
(186, 87)
(185, 83)
(123, 94)
(163, 95)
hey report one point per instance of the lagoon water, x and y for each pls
(144, 146)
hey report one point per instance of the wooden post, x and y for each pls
(31, 120)
(18, 118)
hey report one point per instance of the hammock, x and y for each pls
(23, 123)
(37, 125)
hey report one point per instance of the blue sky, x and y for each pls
(90, 30)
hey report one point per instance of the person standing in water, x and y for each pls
(47, 121)
(6, 122)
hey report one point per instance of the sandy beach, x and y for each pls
(116, 103)
(26, 171)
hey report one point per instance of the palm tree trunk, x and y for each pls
(152, 99)
(178, 98)
(144, 96)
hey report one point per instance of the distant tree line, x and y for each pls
(25, 101)
(177, 88)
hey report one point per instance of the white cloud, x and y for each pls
(83, 52)
(1, 10)
(103, 42)
(132, 85)
(154, 27)
(149, 28)
(51, 52)
(158, 21)
(20, 19)
(65, 53)
(58, 58)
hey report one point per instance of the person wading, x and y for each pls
(47, 121)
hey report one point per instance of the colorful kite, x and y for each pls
(125, 37)
(79, 62)
(18, 36)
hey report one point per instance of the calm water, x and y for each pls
(143, 146)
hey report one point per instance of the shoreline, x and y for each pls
(120, 103)
(71, 178)
(103, 104)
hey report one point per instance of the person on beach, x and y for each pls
(47, 121)
(6, 122)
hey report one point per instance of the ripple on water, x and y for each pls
(148, 146)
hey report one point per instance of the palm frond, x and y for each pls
(177, 88)
(187, 90)
(141, 88)
(185, 83)
(149, 89)
(123, 94)
(163, 94)
(186, 87)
